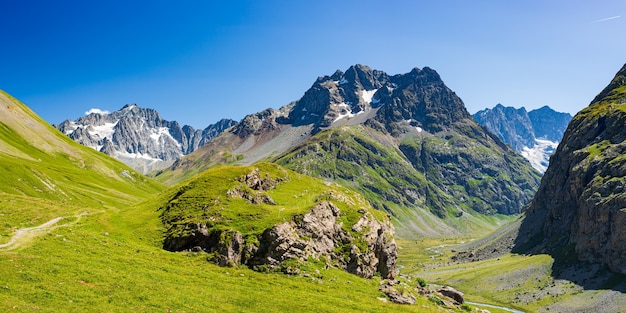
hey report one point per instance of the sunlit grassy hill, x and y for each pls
(79, 232)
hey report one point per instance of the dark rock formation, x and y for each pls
(579, 207)
(452, 293)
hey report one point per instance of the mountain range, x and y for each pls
(405, 141)
(366, 169)
(535, 134)
(139, 137)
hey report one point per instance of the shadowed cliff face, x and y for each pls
(579, 211)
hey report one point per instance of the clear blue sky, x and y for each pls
(199, 61)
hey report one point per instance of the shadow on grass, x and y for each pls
(590, 276)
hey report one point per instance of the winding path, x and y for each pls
(24, 234)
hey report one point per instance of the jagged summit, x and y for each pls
(405, 141)
(534, 134)
(139, 137)
(361, 93)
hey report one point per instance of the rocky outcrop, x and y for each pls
(365, 249)
(139, 137)
(579, 207)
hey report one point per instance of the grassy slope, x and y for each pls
(355, 158)
(113, 262)
(204, 199)
(524, 282)
(105, 254)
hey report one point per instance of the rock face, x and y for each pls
(534, 134)
(139, 137)
(579, 206)
(317, 234)
(416, 133)
(362, 245)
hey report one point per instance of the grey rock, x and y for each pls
(316, 234)
(452, 293)
(139, 137)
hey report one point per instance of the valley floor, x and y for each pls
(527, 283)
(112, 261)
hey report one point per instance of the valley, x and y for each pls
(369, 193)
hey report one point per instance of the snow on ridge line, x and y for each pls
(124, 154)
(97, 111)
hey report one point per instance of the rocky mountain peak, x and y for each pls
(138, 136)
(534, 134)
(422, 97)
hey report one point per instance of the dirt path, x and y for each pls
(25, 234)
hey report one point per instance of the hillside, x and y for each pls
(405, 141)
(81, 233)
(37, 161)
(578, 209)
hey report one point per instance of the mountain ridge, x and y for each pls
(139, 137)
(578, 209)
(411, 123)
(535, 134)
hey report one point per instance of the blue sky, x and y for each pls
(199, 61)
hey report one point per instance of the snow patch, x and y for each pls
(367, 95)
(539, 155)
(72, 128)
(345, 108)
(124, 154)
(103, 131)
(157, 133)
(97, 111)
(419, 129)
(343, 81)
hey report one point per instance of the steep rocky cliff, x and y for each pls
(269, 218)
(580, 206)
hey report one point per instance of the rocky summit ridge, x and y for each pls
(140, 137)
(405, 141)
(579, 207)
(535, 134)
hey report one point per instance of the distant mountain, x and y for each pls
(139, 137)
(40, 165)
(578, 211)
(534, 134)
(404, 141)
